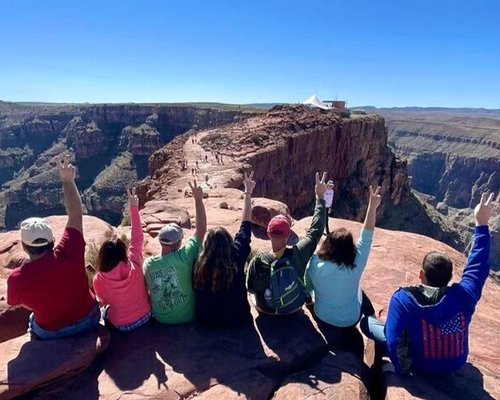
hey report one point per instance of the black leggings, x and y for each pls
(366, 306)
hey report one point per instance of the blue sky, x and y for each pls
(391, 53)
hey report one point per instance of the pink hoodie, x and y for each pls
(123, 288)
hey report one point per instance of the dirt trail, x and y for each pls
(217, 173)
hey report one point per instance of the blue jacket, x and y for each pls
(433, 338)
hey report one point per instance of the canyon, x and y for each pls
(284, 146)
(109, 144)
(439, 164)
(453, 156)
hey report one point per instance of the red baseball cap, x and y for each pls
(279, 225)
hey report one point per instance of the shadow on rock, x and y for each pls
(467, 383)
(32, 364)
(292, 338)
(343, 339)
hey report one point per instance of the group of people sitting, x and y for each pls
(205, 279)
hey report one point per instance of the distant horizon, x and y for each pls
(256, 104)
(391, 54)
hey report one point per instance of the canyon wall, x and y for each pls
(453, 156)
(287, 146)
(109, 144)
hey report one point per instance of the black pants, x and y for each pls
(327, 228)
(366, 306)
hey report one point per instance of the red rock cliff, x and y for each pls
(287, 145)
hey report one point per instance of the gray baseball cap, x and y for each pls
(170, 234)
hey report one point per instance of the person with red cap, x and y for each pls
(275, 279)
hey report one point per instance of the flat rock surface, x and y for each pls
(28, 364)
(338, 376)
(168, 361)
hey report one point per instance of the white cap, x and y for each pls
(36, 232)
(170, 234)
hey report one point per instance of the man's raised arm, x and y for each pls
(477, 267)
(72, 200)
(308, 244)
(201, 218)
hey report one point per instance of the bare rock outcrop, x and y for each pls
(286, 146)
(31, 364)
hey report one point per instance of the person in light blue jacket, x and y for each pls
(333, 274)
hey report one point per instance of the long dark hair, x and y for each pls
(339, 248)
(111, 253)
(216, 266)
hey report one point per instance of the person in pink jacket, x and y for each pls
(119, 281)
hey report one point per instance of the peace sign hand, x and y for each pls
(375, 197)
(67, 172)
(320, 186)
(133, 200)
(249, 183)
(484, 209)
(196, 190)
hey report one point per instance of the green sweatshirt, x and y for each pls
(258, 276)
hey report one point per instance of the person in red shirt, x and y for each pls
(52, 281)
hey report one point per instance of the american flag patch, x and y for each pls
(445, 340)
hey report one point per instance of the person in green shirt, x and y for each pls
(278, 231)
(169, 275)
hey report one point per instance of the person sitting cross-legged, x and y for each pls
(169, 275)
(119, 282)
(335, 271)
(427, 326)
(276, 280)
(219, 276)
(52, 282)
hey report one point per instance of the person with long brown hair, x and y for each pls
(119, 281)
(335, 271)
(219, 276)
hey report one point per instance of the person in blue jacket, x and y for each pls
(427, 326)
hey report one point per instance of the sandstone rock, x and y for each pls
(158, 213)
(264, 209)
(158, 360)
(13, 321)
(28, 364)
(338, 376)
(286, 146)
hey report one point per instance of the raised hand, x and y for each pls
(375, 197)
(67, 172)
(320, 186)
(196, 190)
(133, 200)
(249, 183)
(484, 209)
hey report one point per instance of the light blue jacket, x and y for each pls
(336, 288)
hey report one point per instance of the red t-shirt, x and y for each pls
(55, 286)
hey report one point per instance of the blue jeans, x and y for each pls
(90, 321)
(375, 330)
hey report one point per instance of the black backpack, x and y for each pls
(286, 292)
